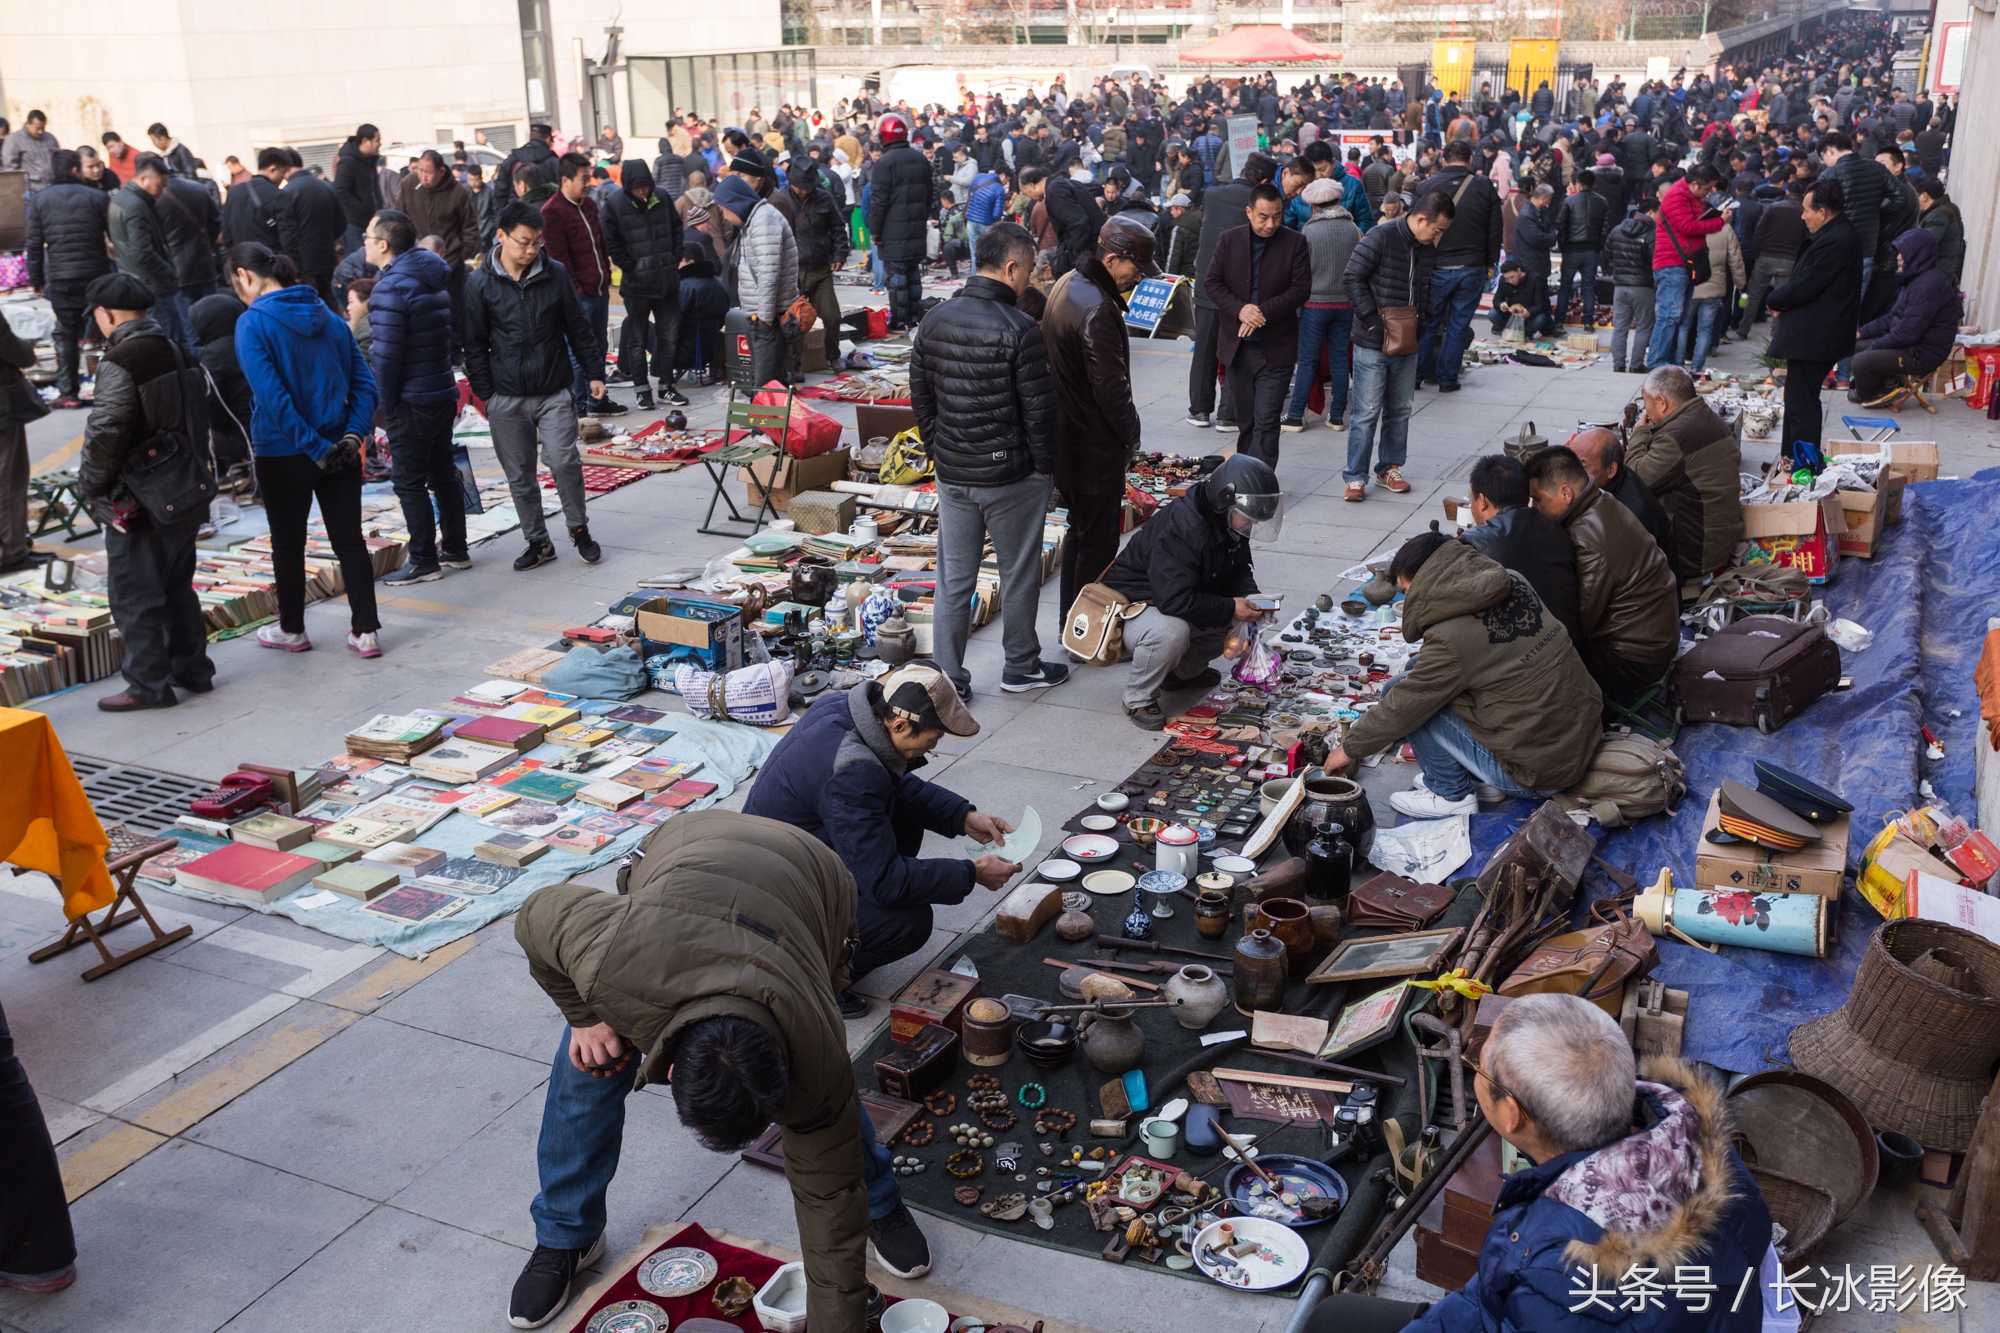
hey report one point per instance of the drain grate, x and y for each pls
(142, 799)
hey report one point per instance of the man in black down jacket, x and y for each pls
(253, 209)
(145, 385)
(192, 224)
(1818, 310)
(820, 228)
(1222, 208)
(1580, 228)
(1075, 211)
(67, 229)
(642, 230)
(316, 216)
(1191, 562)
(1637, 145)
(1466, 254)
(986, 406)
(1506, 528)
(1866, 188)
(1631, 255)
(357, 182)
(900, 204)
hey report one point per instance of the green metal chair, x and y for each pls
(766, 423)
(1640, 710)
(63, 509)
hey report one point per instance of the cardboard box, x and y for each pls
(692, 623)
(1866, 515)
(1802, 536)
(788, 476)
(873, 420)
(1816, 868)
(1915, 459)
(812, 349)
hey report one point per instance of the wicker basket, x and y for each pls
(1916, 1055)
(1802, 1208)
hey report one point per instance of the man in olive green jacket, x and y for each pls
(1496, 696)
(1688, 457)
(715, 965)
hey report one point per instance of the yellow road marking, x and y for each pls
(375, 989)
(188, 1106)
(61, 457)
(101, 1159)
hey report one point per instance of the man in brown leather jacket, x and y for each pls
(1097, 424)
(1628, 597)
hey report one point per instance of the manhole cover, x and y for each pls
(142, 799)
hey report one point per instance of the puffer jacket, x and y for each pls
(901, 199)
(1946, 223)
(1533, 545)
(66, 232)
(573, 236)
(1188, 563)
(1681, 221)
(987, 202)
(139, 242)
(981, 388)
(214, 319)
(143, 388)
(1672, 1196)
(1925, 317)
(728, 914)
(357, 183)
(1494, 655)
(1534, 237)
(1631, 252)
(1864, 185)
(1690, 463)
(1389, 267)
(1580, 222)
(520, 334)
(191, 224)
(310, 382)
(669, 175)
(1609, 182)
(644, 238)
(1090, 352)
(1332, 236)
(409, 315)
(1474, 236)
(313, 222)
(1628, 599)
(767, 264)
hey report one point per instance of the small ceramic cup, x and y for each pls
(1163, 1138)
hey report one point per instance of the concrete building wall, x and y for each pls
(1974, 176)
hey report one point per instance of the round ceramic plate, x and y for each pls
(1107, 881)
(1235, 865)
(1098, 823)
(1280, 1257)
(677, 1272)
(630, 1317)
(1059, 872)
(1303, 1176)
(1090, 847)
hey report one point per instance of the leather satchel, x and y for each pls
(1094, 630)
(1391, 902)
(1399, 330)
(1593, 963)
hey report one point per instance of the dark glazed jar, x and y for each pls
(1260, 972)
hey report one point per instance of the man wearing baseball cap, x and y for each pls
(846, 773)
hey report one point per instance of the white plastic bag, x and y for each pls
(758, 695)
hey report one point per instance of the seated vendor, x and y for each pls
(1602, 454)
(1523, 296)
(1631, 1172)
(1506, 528)
(1690, 460)
(1496, 695)
(846, 773)
(1191, 563)
(1628, 595)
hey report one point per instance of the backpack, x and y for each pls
(1629, 778)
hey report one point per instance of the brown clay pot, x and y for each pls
(1211, 914)
(989, 1033)
(1290, 923)
(1259, 972)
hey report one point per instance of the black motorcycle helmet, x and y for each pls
(1246, 490)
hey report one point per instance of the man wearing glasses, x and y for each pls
(1635, 1213)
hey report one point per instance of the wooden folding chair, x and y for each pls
(744, 415)
(127, 853)
(1909, 387)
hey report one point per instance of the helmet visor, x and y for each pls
(1259, 517)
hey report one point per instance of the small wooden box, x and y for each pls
(822, 511)
(1483, 1019)
(1443, 1264)
(1469, 1198)
(937, 997)
(921, 1065)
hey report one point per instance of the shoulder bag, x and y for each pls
(1593, 964)
(169, 475)
(1697, 267)
(1399, 322)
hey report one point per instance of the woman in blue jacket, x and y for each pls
(315, 405)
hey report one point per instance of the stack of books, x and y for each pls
(248, 874)
(396, 738)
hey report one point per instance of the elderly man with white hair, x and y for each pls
(1689, 458)
(1633, 1184)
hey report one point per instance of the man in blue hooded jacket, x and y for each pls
(846, 773)
(409, 314)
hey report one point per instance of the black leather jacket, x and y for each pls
(980, 383)
(138, 395)
(1580, 222)
(1097, 424)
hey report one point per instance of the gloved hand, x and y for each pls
(343, 456)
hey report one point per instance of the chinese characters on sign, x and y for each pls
(1147, 305)
(1884, 1288)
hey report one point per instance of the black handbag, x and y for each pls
(1697, 267)
(170, 475)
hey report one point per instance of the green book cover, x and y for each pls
(358, 881)
(544, 786)
(332, 854)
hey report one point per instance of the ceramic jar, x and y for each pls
(1211, 914)
(1198, 995)
(895, 641)
(989, 1033)
(1260, 972)
(1330, 801)
(1290, 923)
(1112, 1041)
(1329, 860)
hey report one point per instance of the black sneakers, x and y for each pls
(1147, 717)
(538, 554)
(542, 1290)
(671, 393)
(585, 547)
(455, 559)
(644, 400)
(1206, 679)
(414, 574)
(606, 407)
(896, 1243)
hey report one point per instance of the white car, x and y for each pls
(486, 158)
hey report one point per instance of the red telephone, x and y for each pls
(239, 794)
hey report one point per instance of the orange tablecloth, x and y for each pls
(46, 822)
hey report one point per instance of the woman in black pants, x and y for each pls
(314, 406)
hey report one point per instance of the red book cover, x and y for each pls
(250, 874)
(510, 732)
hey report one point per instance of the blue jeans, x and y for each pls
(171, 311)
(1671, 286)
(583, 1128)
(1454, 301)
(596, 313)
(1454, 762)
(1699, 324)
(1330, 328)
(1383, 388)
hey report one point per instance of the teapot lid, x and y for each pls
(1177, 835)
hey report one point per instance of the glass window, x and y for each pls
(652, 104)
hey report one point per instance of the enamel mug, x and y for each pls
(1177, 849)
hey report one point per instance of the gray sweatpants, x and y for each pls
(517, 422)
(1013, 515)
(1163, 645)
(1631, 308)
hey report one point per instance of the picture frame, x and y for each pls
(1366, 1021)
(1385, 956)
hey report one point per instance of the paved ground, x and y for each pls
(278, 1130)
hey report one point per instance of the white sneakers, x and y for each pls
(1422, 803)
(368, 645)
(273, 637)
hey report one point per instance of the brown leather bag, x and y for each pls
(1594, 963)
(1395, 903)
(1399, 330)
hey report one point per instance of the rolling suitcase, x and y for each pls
(1760, 671)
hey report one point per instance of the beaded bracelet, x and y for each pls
(1041, 1096)
(607, 1071)
(910, 1131)
(998, 1119)
(1055, 1119)
(983, 1083)
(950, 1102)
(964, 1165)
(987, 1101)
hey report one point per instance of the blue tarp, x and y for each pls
(1926, 595)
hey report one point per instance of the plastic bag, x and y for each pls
(1261, 667)
(807, 433)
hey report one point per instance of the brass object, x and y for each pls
(733, 1296)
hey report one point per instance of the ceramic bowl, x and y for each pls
(915, 1316)
(1144, 829)
(1240, 867)
(1048, 1043)
(1273, 792)
(1090, 847)
(1107, 882)
(1355, 606)
(1099, 823)
(1057, 871)
(1113, 801)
